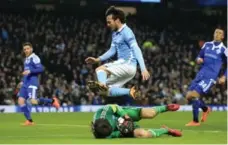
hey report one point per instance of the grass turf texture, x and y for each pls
(73, 128)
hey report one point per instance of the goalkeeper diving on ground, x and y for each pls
(113, 121)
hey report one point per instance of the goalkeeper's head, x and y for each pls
(101, 128)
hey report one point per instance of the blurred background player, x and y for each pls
(107, 121)
(212, 55)
(29, 85)
(112, 76)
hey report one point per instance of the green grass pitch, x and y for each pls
(73, 128)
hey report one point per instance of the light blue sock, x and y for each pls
(115, 91)
(101, 76)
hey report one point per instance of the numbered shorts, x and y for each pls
(133, 113)
(201, 84)
(121, 73)
(29, 92)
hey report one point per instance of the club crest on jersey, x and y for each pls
(218, 51)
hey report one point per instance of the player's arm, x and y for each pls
(108, 54)
(222, 79)
(131, 41)
(118, 110)
(38, 67)
(200, 56)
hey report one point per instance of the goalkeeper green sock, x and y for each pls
(160, 109)
(158, 132)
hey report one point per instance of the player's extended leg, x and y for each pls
(100, 85)
(54, 101)
(206, 111)
(102, 74)
(137, 114)
(132, 92)
(32, 91)
(118, 76)
(151, 133)
(196, 104)
(149, 113)
(24, 107)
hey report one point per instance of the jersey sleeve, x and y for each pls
(118, 110)
(132, 43)
(225, 60)
(108, 54)
(115, 134)
(38, 67)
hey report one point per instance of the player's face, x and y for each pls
(218, 35)
(111, 23)
(27, 50)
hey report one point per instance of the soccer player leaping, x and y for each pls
(112, 76)
(212, 56)
(29, 85)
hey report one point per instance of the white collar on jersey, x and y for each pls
(220, 45)
(124, 25)
(30, 56)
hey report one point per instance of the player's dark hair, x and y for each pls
(27, 44)
(116, 14)
(101, 128)
(221, 28)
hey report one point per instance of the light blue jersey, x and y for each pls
(126, 47)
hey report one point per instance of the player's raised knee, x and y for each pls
(101, 68)
(192, 94)
(148, 113)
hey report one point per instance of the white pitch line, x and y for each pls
(85, 126)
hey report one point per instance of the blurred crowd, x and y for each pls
(63, 43)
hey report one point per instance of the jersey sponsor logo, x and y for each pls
(211, 55)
